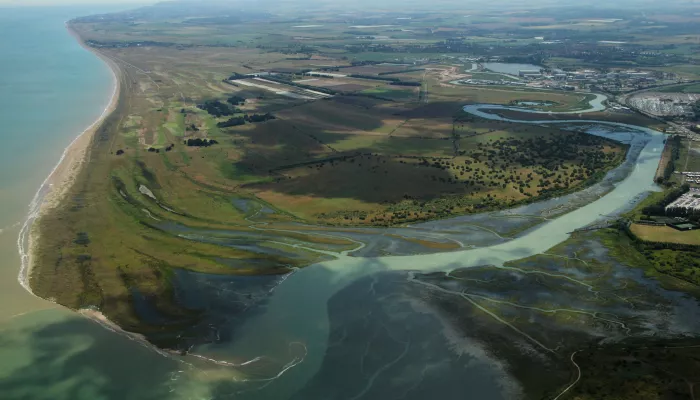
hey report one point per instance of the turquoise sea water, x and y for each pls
(51, 89)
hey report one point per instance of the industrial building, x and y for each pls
(530, 73)
(688, 203)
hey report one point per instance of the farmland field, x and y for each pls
(666, 234)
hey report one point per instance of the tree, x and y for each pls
(200, 142)
(236, 100)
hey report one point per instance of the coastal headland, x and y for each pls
(146, 131)
(233, 200)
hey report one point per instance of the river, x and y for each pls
(297, 309)
(48, 352)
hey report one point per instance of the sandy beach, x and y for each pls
(104, 322)
(62, 177)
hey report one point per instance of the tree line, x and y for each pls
(675, 144)
(200, 142)
(253, 118)
(659, 208)
(217, 108)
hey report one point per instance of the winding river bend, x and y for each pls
(294, 327)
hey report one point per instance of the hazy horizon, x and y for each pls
(35, 3)
(472, 3)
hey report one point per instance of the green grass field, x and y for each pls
(665, 234)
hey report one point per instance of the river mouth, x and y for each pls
(330, 328)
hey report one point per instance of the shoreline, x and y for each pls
(55, 187)
(53, 190)
(61, 178)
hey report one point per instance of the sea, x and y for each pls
(51, 89)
